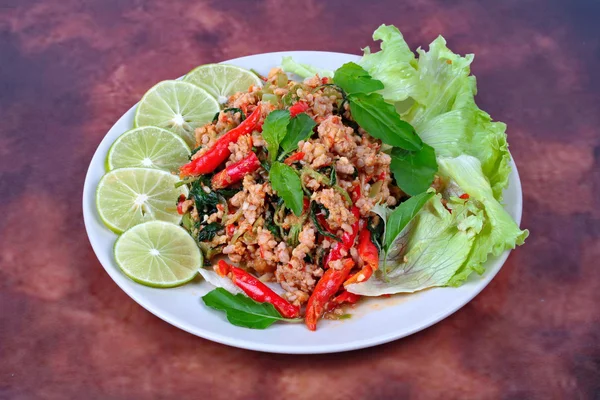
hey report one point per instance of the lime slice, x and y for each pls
(129, 196)
(158, 254)
(177, 106)
(221, 80)
(149, 147)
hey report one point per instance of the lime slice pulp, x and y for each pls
(222, 80)
(149, 147)
(158, 254)
(126, 197)
(177, 106)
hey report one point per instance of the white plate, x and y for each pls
(374, 322)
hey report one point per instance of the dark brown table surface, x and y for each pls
(70, 68)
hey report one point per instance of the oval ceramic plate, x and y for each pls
(373, 322)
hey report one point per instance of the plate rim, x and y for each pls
(278, 348)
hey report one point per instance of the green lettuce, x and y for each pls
(303, 70)
(443, 245)
(443, 111)
(395, 65)
(499, 232)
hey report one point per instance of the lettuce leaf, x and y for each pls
(219, 281)
(450, 121)
(444, 112)
(436, 243)
(441, 247)
(303, 70)
(499, 232)
(395, 65)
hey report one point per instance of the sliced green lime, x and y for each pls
(126, 197)
(158, 254)
(222, 80)
(149, 147)
(177, 106)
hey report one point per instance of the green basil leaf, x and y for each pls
(314, 210)
(402, 215)
(208, 232)
(272, 226)
(288, 186)
(354, 79)
(274, 130)
(382, 121)
(205, 203)
(377, 230)
(241, 310)
(414, 170)
(299, 128)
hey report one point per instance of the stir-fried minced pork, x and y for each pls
(340, 167)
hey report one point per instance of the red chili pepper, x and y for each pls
(334, 255)
(236, 171)
(219, 152)
(180, 201)
(355, 193)
(323, 222)
(344, 297)
(381, 176)
(298, 108)
(326, 288)
(257, 290)
(367, 252)
(222, 268)
(294, 158)
(305, 204)
(347, 240)
(325, 81)
(230, 229)
(464, 196)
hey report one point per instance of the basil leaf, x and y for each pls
(354, 79)
(274, 130)
(209, 232)
(241, 310)
(377, 230)
(299, 128)
(414, 171)
(266, 166)
(382, 121)
(205, 203)
(227, 193)
(272, 226)
(314, 210)
(402, 215)
(288, 186)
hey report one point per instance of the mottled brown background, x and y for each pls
(70, 68)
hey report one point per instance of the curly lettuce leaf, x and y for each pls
(450, 121)
(443, 245)
(219, 281)
(303, 70)
(394, 65)
(444, 112)
(499, 232)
